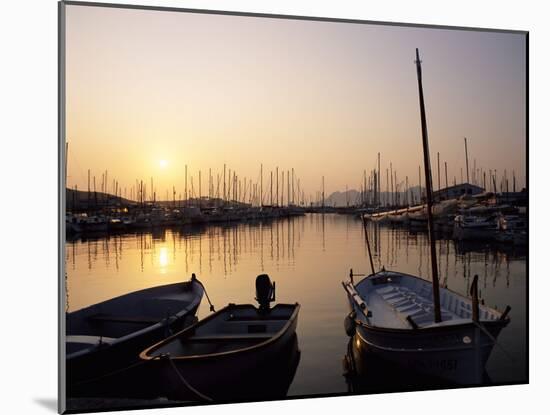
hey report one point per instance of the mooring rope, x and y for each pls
(484, 330)
(114, 372)
(194, 277)
(185, 382)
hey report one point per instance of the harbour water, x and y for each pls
(308, 257)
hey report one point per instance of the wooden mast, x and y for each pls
(429, 200)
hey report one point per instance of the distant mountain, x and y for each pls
(351, 197)
(80, 200)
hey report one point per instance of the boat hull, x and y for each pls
(233, 378)
(104, 338)
(87, 375)
(454, 354)
(229, 376)
(391, 317)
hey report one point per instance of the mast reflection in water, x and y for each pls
(308, 256)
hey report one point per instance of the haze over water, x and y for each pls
(308, 257)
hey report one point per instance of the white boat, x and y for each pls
(417, 324)
(220, 358)
(470, 227)
(392, 314)
(109, 335)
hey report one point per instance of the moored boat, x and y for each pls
(468, 227)
(392, 314)
(108, 336)
(95, 223)
(417, 324)
(220, 358)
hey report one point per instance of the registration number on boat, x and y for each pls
(449, 365)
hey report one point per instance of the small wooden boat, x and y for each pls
(221, 357)
(108, 336)
(392, 316)
(417, 324)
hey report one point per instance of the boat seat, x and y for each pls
(392, 295)
(399, 301)
(386, 290)
(89, 340)
(243, 322)
(124, 319)
(252, 319)
(409, 308)
(240, 336)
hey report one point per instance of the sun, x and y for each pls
(163, 164)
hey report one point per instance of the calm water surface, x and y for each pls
(308, 257)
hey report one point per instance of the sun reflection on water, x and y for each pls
(163, 259)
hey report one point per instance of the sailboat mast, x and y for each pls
(429, 196)
(466, 151)
(378, 181)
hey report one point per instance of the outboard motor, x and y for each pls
(265, 291)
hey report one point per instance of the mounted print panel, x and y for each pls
(276, 207)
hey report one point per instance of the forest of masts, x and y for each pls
(273, 188)
(400, 193)
(283, 188)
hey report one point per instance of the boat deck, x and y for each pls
(393, 301)
(231, 329)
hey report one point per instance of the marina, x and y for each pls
(284, 231)
(148, 344)
(308, 256)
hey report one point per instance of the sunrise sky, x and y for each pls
(151, 91)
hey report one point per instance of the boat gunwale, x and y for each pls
(423, 330)
(417, 349)
(144, 355)
(165, 321)
(143, 290)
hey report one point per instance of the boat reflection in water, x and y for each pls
(227, 257)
